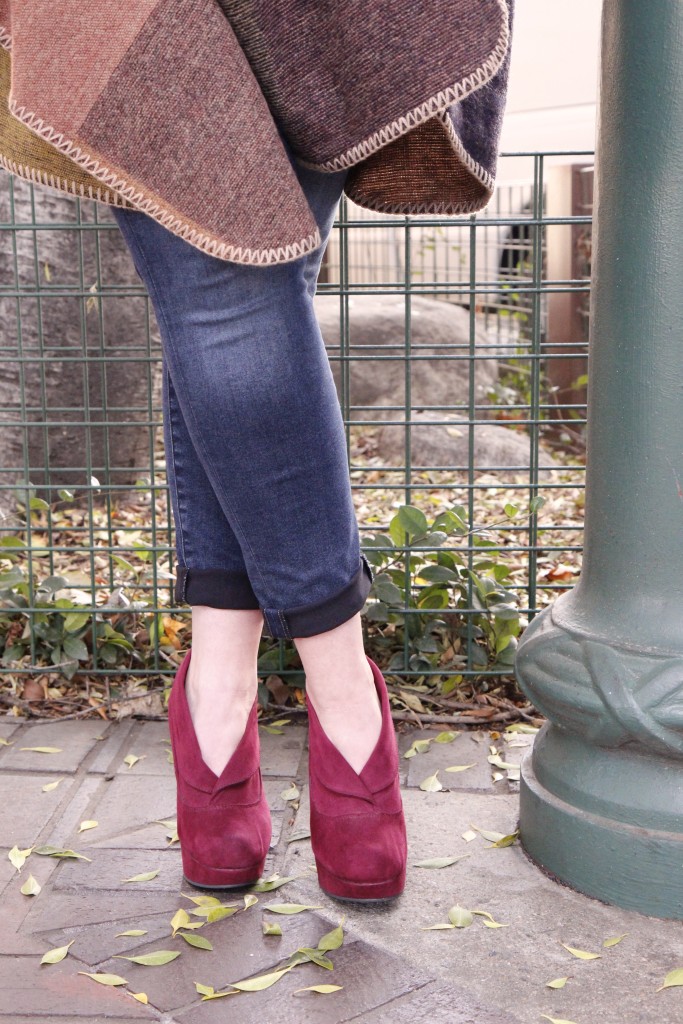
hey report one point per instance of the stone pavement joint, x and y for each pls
(389, 967)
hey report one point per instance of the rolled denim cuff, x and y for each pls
(218, 588)
(321, 616)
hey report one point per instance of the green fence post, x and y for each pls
(601, 795)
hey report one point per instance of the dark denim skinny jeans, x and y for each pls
(254, 435)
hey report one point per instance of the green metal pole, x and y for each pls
(601, 794)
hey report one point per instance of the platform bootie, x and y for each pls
(224, 821)
(358, 831)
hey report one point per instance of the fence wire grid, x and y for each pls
(459, 348)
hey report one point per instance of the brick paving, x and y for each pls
(388, 967)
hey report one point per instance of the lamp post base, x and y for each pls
(573, 801)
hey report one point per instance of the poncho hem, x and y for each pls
(160, 211)
(432, 107)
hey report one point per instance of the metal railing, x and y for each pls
(86, 541)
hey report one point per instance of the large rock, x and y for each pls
(80, 358)
(447, 446)
(378, 361)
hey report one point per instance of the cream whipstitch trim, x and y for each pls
(475, 169)
(62, 185)
(431, 107)
(200, 240)
(445, 208)
(5, 38)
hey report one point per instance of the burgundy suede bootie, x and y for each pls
(223, 821)
(358, 830)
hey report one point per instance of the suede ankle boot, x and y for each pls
(223, 821)
(358, 830)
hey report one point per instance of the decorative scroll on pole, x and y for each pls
(601, 801)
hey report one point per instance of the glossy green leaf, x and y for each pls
(198, 941)
(334, 939)
(106, 979)
(132, 933)
(315, 956)
(146, 876)
(290, 908)
(672, 980)
(460, 917)
(55, 956)
(271, 883)
(613, 941)
(431, 784)
(30, 887)
(417, 747)
(271, 929)
(581, 954)
(439, 862)
(156, 959)
(505, 841)
(56, 851)
(557, 982)
(180, 919)
(322, 989)
(18, 858)
(218, 913)
(262, 982)
(446, 737)
(49, 786)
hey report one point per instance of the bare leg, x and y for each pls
(222, 678)
(340, 685)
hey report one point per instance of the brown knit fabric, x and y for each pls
(178, 108)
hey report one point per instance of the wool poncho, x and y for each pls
(178, 108)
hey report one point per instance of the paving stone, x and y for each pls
(75, 739)
(108, 868)
(130, 802)
(369, 978)
(8, 728)
(438, 1001)
(68, 907)
(98, 941)
(439, 756)
(109, 750)
(15, 906)
(239, 951)
(30, 990)
(281, 755)
(149, 837)
(64, 831)
(19, 1018)
(150, 741)
(24, 808)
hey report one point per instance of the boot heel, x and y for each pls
(203, 877)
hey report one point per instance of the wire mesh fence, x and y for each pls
(458, 345)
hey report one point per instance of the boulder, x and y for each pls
(447, 445)
(377, 368)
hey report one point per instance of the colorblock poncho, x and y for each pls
(177, 108)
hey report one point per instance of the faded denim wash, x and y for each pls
(254, 436)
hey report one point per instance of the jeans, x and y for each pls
(254, 437)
